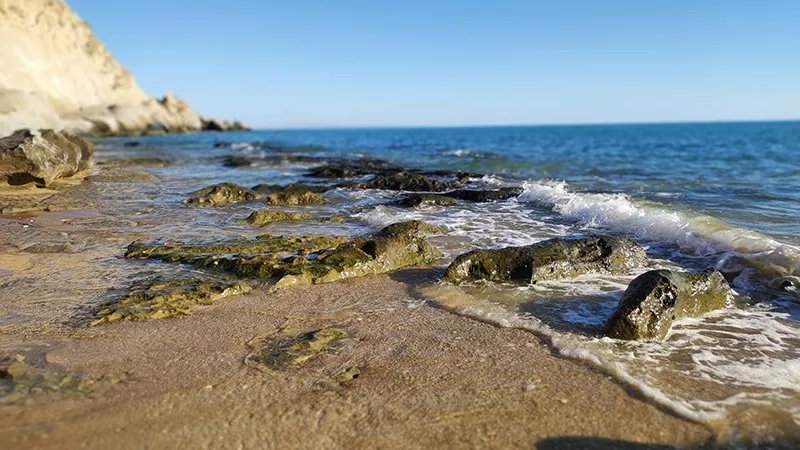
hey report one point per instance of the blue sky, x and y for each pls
(318, 63)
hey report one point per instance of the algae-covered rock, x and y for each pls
(291, 352)
(221, 194)
(19, 380)
(655, 299)
(163, 300)
(261, 218)
(406, 181)
(482, 196)
(424, 201)
(294, 199)
(549, 260)
(289, 261)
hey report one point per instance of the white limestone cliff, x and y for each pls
(55, 74)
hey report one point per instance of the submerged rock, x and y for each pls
(143, 162)
(261, 218)
(221, 194)
(240, 161)
(42, 157)
(549, 260)
(655, 299)
(291, 352)
(406, 181)
(289, 261)
(19, 380)
(424, 201)
(294, 198)
(482, 196)
(163, 300)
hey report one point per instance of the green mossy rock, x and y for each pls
(655, 299)
(163, 300)
(406, 181)
(289, 261)
(424, 201)
(261, 218)
(549, 260)
(221, 194)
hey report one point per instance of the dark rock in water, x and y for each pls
(549, 260)
(289, 261)
(159, 300)
(221, 194)
(291, 188)
(424, 200)
(462, 177)
(222, 144)
(484, 195)
(132, 144)
(657, 298)
(261, 218)
(352, 168)
(406, 181)
(43, 156)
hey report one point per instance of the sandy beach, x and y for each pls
(426, 378)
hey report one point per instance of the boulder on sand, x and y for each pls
(549, 260)
(43, 156)
(655, 299)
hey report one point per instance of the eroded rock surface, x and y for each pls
(655, 299)
(160, 300)
(261, 218)
(43, 156)
(549, 260)
(294, 198)
(424, 201)
(221, 194)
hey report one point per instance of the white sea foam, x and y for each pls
(699, 235)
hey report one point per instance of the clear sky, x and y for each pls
(445, 62)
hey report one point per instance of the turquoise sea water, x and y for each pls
(724, 195)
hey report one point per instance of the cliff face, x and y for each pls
(54, 73)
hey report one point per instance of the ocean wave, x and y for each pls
(694, 234)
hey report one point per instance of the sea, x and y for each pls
(695, 195)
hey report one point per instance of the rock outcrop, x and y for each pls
(56, 74)
(43, 156)
(548, 260)
(657, 298)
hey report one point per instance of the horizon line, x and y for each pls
(522, 125)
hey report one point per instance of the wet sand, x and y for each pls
(427, 378)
